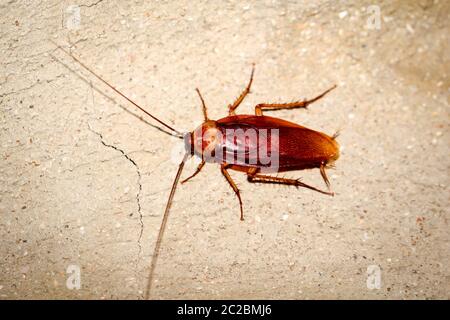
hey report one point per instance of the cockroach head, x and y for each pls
(205, 138)
(188, 143)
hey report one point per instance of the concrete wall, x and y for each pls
(84, 182)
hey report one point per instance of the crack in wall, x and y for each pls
(92, 4)
(138, 194)
(39, 82)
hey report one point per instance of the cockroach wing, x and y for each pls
(273, 144)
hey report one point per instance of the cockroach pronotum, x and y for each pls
(237, 142)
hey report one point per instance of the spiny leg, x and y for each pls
(259, 178)
(199, 168)
(232, 108)
(205, 113)
(324, 175)
(233, 185)
(293, 105)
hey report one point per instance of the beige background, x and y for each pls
(70, 196)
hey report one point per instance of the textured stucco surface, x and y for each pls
(84, 182)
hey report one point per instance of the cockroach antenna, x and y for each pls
(176, 132)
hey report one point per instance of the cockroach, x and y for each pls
(217, 141)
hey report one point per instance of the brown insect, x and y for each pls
(217, 141)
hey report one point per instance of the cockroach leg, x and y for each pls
(199, 168)
(259, 178)
(292, 105)
(324, 175)
(238, 101)
(233, 185)
(205, 113)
